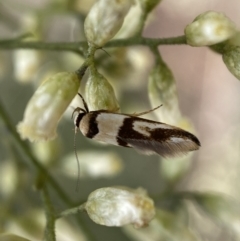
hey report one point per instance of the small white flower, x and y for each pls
(118, 206)
(209, 28)
(105, 19)
(99, 93)
(47, 105)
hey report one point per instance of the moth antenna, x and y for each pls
(84, 103)
(146, 112)
(78, 163)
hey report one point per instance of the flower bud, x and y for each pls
(231, 57)
(118, 206)
(104, 20)
(11, 237)
(99, 93)
(47, 105)
(162, 90)
(209, 28)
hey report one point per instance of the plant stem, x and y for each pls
(49, 234)
(80, 47)
(146, 41)
(77, 47)
(72, 211)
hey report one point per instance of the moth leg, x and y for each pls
(84, 103)
(78, 109)
(146, 112)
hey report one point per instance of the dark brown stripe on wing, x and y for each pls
(93, 125)
(126, 131)
(161, 135)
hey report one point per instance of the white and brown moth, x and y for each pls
(146, 136)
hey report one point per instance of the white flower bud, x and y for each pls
(118, 206)
(99, 93)
(11, 237)
(104, 20)
(47, 105)
(209, 28)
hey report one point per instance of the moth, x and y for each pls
(146, 136)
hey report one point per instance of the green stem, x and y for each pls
(146, 41)
(72, 211)
(157, 55)
(79, 47)
(49, 234)
(88, 62)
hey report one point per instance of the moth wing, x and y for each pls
(164, 149)
(162, 139)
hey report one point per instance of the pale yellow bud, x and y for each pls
(105, 19)
(47, 106)
(99, 93)
(209, 28)
(118, 206)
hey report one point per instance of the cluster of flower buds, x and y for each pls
(118, 206)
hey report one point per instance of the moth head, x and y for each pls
(78, 117)
(80, 113)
